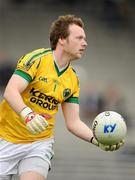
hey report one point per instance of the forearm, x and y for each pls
(12, 94)
(81, 130)
(13, 97)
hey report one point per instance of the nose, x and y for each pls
(85, 43)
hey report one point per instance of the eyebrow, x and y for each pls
(80, 36)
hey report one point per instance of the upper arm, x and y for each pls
(16, 83)
(70, 112)
(25, 71)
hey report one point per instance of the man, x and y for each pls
(43, 79)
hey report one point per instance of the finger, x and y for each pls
(45, 123)
(113, 147)
(120, 144)
(104, 147)
(36, 125)
(42, 120)
(31, 129)
(39, 125)
(107, 148)
(46, 116)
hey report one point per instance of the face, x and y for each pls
(75, 44)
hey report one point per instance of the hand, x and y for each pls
(35, 123)
(107, 147)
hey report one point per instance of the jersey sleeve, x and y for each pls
(27, 66)
(74, 98)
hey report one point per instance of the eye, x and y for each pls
(79, 37)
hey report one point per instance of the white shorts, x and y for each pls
(19, 158)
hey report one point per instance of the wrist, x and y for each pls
(25, 111)
(94, 141)
(91, 139)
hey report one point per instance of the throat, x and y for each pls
(61, 66)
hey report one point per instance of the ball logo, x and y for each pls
(107, 113)
(109, 128)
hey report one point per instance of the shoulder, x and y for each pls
(30, 58)
(74, 70)
(34, 55)
(74, 74)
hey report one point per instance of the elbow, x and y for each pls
(69, 128)
(72, 125)
(7, 94)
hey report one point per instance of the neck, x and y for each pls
(61, 59)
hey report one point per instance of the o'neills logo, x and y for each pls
(41, 99)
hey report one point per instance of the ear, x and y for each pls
(61, 41)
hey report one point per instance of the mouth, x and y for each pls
(81, 51)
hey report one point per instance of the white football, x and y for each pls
(109, 128)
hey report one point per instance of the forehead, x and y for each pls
(76, 30)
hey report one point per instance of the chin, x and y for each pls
(79, 56)
(76, 58)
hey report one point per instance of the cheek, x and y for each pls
(74, 46)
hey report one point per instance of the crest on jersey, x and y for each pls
(66, 93)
